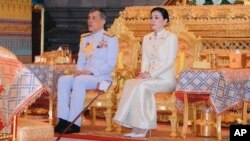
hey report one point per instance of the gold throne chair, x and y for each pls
(165, 101)
(126, 67)
(186, 52)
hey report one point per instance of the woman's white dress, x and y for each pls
(137, 106)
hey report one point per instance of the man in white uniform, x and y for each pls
(96, 60)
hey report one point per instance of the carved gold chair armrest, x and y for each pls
(117, 76)
(126, 73)
(123, 75)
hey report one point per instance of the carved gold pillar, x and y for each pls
(41, 8)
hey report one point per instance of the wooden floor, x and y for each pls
(159, 134)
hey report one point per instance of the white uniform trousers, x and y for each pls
(70, 103)
(137, 106)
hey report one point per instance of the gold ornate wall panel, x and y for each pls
(15, 9)
(205, 21)
(15, 26)
(219, 27)
(227, 43)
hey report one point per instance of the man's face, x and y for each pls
(95, 23)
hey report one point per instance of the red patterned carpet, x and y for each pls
(93, 137)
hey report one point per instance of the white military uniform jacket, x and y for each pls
(97, 53)
(137, 107)
(101, 55)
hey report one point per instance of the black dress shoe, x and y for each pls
(73, 129)
(60, 127)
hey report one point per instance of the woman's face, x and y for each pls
(157, 22)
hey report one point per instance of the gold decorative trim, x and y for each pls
(18, 28)
(15, 9)
(204, 21)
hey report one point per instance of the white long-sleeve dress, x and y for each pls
(137, 106)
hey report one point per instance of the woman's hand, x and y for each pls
(83, 72)
(143, 75)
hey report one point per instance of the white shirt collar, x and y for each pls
(98, 34)
(160, 33)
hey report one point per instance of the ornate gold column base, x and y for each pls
(174, 123)
(218, 127)
(109, 114)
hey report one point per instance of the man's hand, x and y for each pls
(103, 86)
(83, 72)
(143, 75)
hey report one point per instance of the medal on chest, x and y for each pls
(88, 49)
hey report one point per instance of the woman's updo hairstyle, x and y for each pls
(163, 12)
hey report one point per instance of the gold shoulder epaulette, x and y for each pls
(85, 34)
(109, 34)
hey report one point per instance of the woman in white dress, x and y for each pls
(137, 106)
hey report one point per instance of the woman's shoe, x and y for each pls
(129, 134)
(142, 135)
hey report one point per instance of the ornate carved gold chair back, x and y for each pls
(128, 53)
(128, 59)
(129, 46)
(126, 67)
(186, 52)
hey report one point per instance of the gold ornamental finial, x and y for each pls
(38, 7)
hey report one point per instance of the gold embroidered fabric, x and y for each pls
(88, 49)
